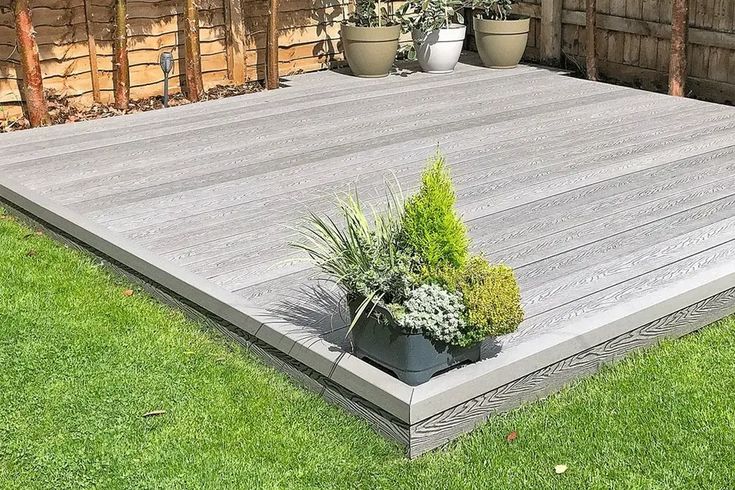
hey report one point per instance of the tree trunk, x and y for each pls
(120, 56)
(271, 57)
(37, 109)
(679, 37)
(591, 29)
(193, 65)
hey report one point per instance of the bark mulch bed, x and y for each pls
(63, 111)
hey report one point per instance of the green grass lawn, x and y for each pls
(81, 363)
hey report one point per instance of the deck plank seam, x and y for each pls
(455, 164)
(620, 210)
(629, 279)
(621, 232)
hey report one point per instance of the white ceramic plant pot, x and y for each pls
(438, 51)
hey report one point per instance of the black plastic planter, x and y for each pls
(412, 358)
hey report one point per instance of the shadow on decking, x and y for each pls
(319, 310)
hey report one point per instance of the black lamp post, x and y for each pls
(167, 64)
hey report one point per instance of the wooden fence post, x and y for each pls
(193, 58)
(25, 35)
(679, 37)
(550, 38)
(120, 58)
(271, 48)
(591, 31)
(236, 46)
(92, 47)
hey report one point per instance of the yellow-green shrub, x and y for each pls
(490, 293)
(432, 229)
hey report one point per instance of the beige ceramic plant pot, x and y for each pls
(370, 51)
(501, 43)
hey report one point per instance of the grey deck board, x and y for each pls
(628, 221)
(600, 200)
(303, 175)
(266, 127)
(233, 277)
(405, 169)
(303, 95)
(266, 124)
(179, 172)
(536, 250)
(588, 260)
(615, 207)
(206, 252)
(300, 175)
(588, 277)
(326, 163)
(463, 172)
(596, 302)
(177, 233)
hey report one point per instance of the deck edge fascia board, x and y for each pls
(445, 426)
(373, 385)
(441, 393)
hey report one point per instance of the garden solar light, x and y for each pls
(167, 63)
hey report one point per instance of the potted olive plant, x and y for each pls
(420, 302)
(370, 39)
(438, 32)
(500, 36)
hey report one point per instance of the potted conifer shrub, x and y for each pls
(370, 39)
(420, 302)
(438, 31)
(500, 36)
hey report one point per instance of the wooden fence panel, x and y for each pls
(64, 29)
(75, 35)
(633, 43)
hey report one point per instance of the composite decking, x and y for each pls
(616, 207)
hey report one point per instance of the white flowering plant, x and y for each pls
(436, 312)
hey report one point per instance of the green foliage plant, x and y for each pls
(437, 312)
(429, 15)
(363, 255)
(433, 230)
(370, 13)
(491, 296)
(493, 9)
